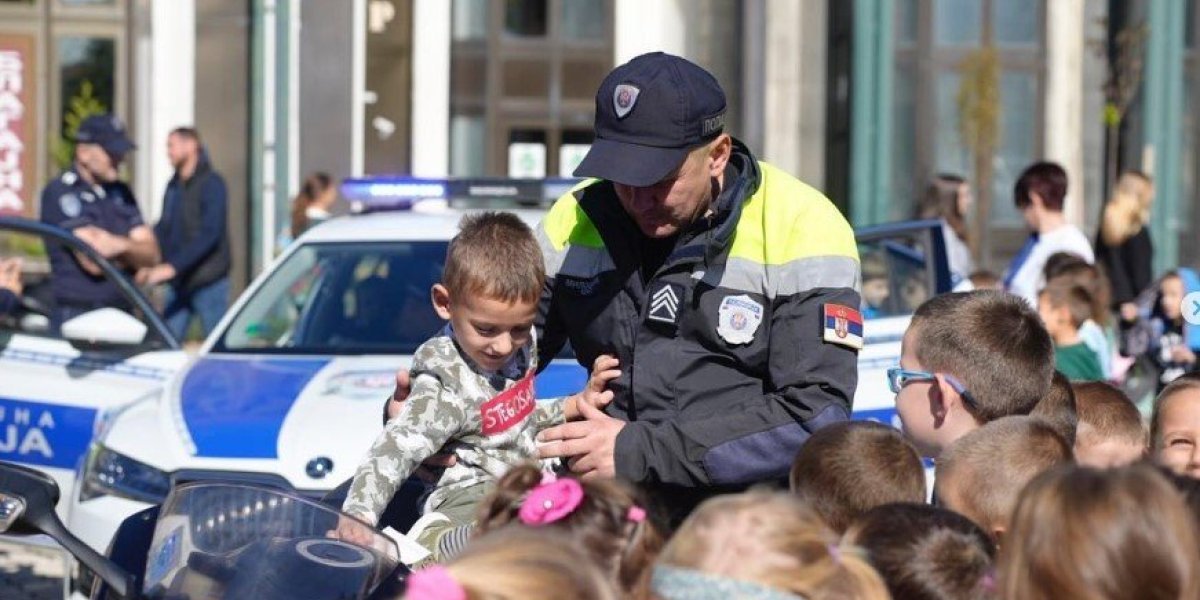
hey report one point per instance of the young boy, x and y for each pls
(472, 384)
(1111, 432)
(848, 468)
(1161, 340)
(982, 474)
(966, 359)
(1064, 307)
(875, 285)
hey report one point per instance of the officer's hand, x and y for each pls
(10, 275)
(429, 469)
(589, 444)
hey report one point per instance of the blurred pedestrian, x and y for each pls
(1123, 245)
(948, 199)
(312, 205)
(91, 201)
(195, 238)
(1039, 194)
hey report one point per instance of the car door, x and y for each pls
(52, 388)
(903, 264)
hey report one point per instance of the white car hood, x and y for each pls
(264, 414)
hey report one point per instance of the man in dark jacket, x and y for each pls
(727, 289)
(193, 236)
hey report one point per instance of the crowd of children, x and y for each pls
(1048, 483)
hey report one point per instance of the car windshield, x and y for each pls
(342, 298)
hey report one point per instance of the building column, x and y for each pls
(167, 97)
(643, 26)
(1162, 112)
(1063, 134)
(796, 55)
(431, 88)
(871, 109)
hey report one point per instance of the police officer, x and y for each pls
(90, 201)
(727, 289)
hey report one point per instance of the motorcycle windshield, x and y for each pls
(218, 540)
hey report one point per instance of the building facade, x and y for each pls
(860, 99)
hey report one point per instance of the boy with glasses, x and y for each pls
(968, 359)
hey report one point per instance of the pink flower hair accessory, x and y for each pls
(551, 501)
(636, 514)
(433, 583)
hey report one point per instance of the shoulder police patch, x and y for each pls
(843, 325)
(738, 318)
(70, 205)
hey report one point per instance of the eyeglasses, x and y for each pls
(899, 377)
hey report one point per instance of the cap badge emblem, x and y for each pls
(624, 97)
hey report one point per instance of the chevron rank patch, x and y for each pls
(664, 303)
(843, 325)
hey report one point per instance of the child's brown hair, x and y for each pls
(926, 553)
(1101, 534)
(494, 255)
(1064, 292)
(1105, 412)
(610, 523)
(980, 475)
(516, 563)
(1058, 409)
(991, 341)
(765, 540)
(1070, 267)
(845, 469)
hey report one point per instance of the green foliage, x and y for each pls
(81, 106)
(978, 101)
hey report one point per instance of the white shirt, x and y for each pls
(1029, 279)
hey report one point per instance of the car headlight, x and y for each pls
(109, 473)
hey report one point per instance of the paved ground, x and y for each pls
(30, 573)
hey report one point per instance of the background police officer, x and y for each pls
(90, 201)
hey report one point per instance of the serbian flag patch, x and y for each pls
(843, 325)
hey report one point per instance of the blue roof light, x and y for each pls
(380, 193)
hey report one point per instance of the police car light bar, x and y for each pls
(374, 194)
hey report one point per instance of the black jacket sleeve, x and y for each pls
(811, 384)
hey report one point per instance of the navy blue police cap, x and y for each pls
(650, 112)
(106, 131)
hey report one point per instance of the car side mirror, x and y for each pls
(27, 500)
(104, 327)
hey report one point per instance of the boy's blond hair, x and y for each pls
(773, 540)
(846, 469)
(496, 256)
(518, 563)
(1105, 412)
(990, 466)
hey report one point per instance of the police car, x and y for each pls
(288, 388)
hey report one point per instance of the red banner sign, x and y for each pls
(17, 121)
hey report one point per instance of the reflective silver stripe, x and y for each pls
(787, 279)
(573, 261)
(552, 256)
